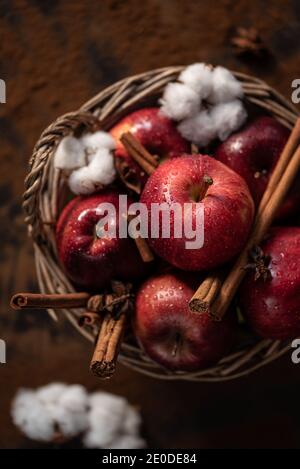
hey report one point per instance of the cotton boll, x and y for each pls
(80, 182)
(127, 442)
(198, 77)
(179, 101)
(225, 87)
(98, 173)
(101, 167)
(55, 407)
(31, 417)
(199, 129)
(106, 417)
(51, 392)
(94, 141)
(132, 421)
(228, 117)
(69, 154)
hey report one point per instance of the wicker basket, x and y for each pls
(45, 196)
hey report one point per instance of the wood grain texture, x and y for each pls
(54, 56)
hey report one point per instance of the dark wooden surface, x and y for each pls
(55, 55)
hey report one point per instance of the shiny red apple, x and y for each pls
(228, 210)
(253, 152)
(156, 132)
(173, 336)
(91, 261)
(272, 302)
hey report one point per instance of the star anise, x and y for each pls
(247, 41)
(260, 264)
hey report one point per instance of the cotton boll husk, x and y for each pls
(127, 442)
(199, 129)
(132, 421)
(106, 418)
(31, 416)
(51, 392)
(69, 154)
(225, 87)
(101, 167)
(228, 117)
(94, 141)
(81, 183)
(179, 101)
(198, 77)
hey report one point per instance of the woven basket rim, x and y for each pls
(41, 205)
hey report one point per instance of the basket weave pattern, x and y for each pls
(45, 192)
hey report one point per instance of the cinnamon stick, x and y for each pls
(142, 245)
(282, 177)
(89, 318)
(104, 359)
(139, 153)
(55, 301)
(205, 294)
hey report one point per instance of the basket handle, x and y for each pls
(42, 152)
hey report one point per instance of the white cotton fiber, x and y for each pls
(127, 442)
(98, 173)
(31, 416)
(132, 421)
(55, 407)
(102, 169)
(51, 392)
(69, 154)
(74, 398)
(104, 420)
(97, 140)
(198, 77)
(80, 182)
(199, 129)
(179, 101)
(228, 117)
(106, 417)
(225, 87)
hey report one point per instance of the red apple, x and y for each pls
(90, 261)
(253, 152)
(272, 302)
(173, 336)
(228, 210)
(156, 132)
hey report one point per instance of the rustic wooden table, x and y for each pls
(54, 55)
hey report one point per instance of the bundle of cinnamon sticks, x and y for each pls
(107, 312)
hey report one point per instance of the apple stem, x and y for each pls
(206, 182)
(176, 344)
